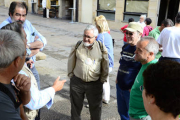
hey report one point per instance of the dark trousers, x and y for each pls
(167, 58)
(44, 12)
(93, 91)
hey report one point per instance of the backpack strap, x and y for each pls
(5, 90)
(77, 44)
(101, 46)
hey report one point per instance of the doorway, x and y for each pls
(168, 10)
(76, 13)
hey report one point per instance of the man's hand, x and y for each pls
(30, 62)
(23, 83)
(160, 49)
(58, 85)
(36, 37)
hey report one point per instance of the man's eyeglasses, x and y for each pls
(88, 36)
(129, 33)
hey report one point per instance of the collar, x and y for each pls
(153, 61)
(9, 19)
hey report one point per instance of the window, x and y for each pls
(107, 8)
(135, 8)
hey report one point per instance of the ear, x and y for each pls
(10, 14)
(152, 99)
(17, 61)
(151, 53)
(96, 37)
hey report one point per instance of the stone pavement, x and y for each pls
(61, 35)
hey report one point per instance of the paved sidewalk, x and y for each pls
(61, 35)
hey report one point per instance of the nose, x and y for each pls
(21, 18)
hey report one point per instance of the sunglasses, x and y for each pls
(129, 33)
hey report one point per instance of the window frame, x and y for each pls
(105, 11)
(132, 13)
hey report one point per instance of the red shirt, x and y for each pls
(124, 31)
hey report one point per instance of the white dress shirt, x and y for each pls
(170, 41)
(39, 98)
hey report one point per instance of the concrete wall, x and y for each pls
(1, 2)
(86, 11)
(153, 11)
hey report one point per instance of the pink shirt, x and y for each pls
(146, 30)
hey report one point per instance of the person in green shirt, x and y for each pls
(161, 90)
(146, 50)
(156, 32)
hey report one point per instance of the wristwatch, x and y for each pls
(28, 45)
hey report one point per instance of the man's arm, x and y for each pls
(23, 83)
(36, 40)
(22, 114)
(40, 41)
(71, 62)
(34, 52)
(35, 45)
(44, 97)
(104, 65)
(122, 28)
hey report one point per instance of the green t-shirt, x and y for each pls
(155, 34)
(136, 106)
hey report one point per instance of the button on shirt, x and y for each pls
(89, 64)
(31, 33)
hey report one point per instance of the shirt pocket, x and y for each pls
(95, 68)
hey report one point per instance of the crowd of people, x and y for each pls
(145, 49)
(147, 81)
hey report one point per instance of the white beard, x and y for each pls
(86, 44)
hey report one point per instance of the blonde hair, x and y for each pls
(101, 22)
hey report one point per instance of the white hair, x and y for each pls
(152, 46)
(11, 47)
(144, 16)
(92, 27)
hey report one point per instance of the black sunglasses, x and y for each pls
(129, 33)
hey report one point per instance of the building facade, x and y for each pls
(117, 12)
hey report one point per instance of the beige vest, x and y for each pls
(31, 114)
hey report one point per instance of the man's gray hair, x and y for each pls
(15, 26)
(152, 46)
(144, 16)
(92, 27)
(11, 47)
